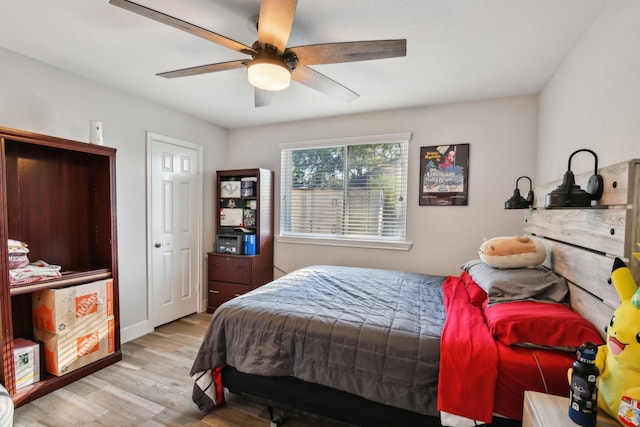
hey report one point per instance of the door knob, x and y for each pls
(157, 244)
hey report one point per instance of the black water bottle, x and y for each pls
(583, 400)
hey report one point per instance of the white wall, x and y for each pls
(502, 134)
(38, 98)
(593, 100)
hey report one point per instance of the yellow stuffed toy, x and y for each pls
(619, 359)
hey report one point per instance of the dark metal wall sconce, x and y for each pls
(570, 195)
(517, 201)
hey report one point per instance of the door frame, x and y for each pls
(150, 138)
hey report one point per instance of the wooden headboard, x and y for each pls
(582, 242)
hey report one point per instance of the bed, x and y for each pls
(380, 347)
(339, 336)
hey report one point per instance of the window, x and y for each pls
(351, 189)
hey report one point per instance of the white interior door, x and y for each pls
(175, 228)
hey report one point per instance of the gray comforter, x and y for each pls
(374, 333)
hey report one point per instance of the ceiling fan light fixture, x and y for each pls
(268, 73)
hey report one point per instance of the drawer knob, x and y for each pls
(214, 291)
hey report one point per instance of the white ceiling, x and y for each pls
(457, 50)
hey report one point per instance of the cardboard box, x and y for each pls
(60, 310)
(64, 353)
(26, 355)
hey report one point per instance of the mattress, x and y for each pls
(523, 369)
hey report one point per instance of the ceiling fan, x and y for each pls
(272, 64)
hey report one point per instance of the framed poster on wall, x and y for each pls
(444, 175)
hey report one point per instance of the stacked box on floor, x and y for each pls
(26, 359)
(75, 325)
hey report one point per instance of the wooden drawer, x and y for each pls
(220, 292)
(233, 269)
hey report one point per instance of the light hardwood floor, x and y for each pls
(150, 387)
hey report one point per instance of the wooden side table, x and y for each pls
(547, 410)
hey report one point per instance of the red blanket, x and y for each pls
(468, 357)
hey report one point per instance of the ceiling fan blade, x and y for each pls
(275, 22)
(322, 83)
(203, 69)
(182, 25)
(262, 98)
(332, 53)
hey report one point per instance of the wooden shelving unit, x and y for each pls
(230, 275)
(59, 197)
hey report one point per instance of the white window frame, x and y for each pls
(369, 242)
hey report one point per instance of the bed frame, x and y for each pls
(328, 405)
(581, 244)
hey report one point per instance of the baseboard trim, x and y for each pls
(135, 331)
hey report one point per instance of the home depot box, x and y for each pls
(58, 310)
(26, 359)
(77, 347)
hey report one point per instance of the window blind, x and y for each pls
(345, 189)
